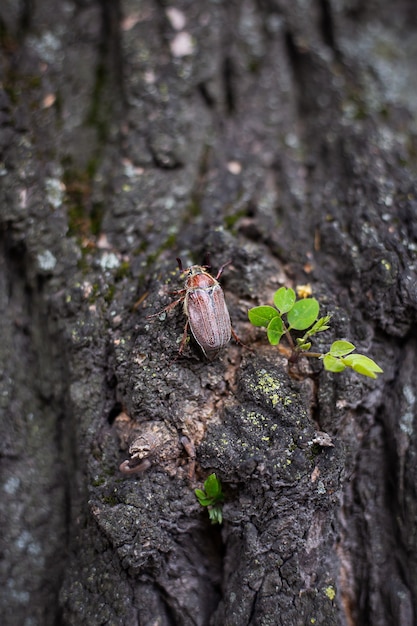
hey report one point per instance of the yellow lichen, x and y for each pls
(330, 592)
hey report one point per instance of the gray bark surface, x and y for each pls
(278, 134)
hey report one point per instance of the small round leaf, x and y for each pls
(331, 364)
(303, 314)
(262, 315)
(275, 331)
(284, 299)
(341, 348)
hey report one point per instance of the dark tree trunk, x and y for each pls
(279, 134)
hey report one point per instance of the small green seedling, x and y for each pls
(212, 497)
(303, 315)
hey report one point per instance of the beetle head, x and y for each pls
(192, 270)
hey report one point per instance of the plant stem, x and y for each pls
(288, 337)
(316, 355)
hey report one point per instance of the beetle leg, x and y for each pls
(126, 468)
(184, 338)
(190, 450)
(236, 338)
(168, 308)
(182, 344)
(239, 341)
(175, 293)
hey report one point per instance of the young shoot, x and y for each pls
(289, 314)
(212, 497)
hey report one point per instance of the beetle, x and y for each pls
(205, 308)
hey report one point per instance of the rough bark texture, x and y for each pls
(280, 134)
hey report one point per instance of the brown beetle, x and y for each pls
(205, 308)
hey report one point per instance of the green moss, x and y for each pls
(122, 271)
(96, 218)
(92, 167)
(142, 247)
(111, 500)
(83, 263)
(168, 244)
(109, 296)
(34, 82)
(12, 92)
(170, 241)
(95, 292)
(78, 189)
(253, 66)
(230, 220)
(193, 207)
(84, 218)
(76, 220)
(99, 114)
(98, 482)
(315, 450)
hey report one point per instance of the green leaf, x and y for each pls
(203, 498)
(303, 345)
(303, 314)
(332, 364)
(213, 487)
(321, 325)
(341, 348)
(211, 497)
(200, 494)
(362, 365)
(284, 299)
(275, 331)
(216, 515)
(262, 315)
(206, 501)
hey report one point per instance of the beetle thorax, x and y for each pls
(198, 278)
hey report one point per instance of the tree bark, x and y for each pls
(280, 135)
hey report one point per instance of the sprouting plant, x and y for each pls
(212, 497)
(303, 315)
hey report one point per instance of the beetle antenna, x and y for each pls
(222, 268)
(179, 264)
(207, 263)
